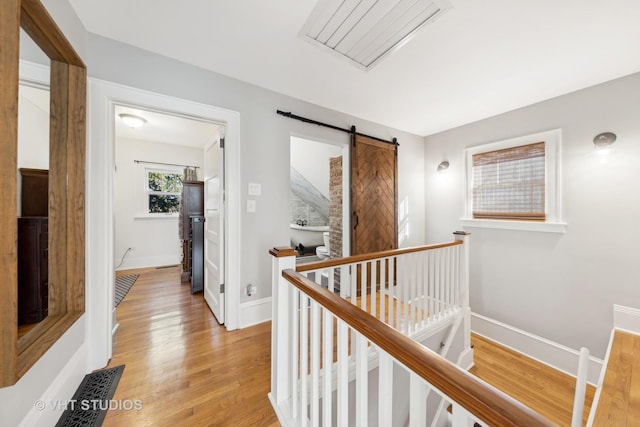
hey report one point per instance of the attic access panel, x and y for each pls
(365, 31)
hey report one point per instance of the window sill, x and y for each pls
(544, 227)
(158, 216)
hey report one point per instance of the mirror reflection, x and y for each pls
(33, 186)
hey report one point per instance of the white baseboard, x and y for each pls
(281, 413)
(149, 261)
(254, 312)
(114, 325)
(59, 392)
(626, 318)
(550, 353)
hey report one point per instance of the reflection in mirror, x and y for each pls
(316, 199)
(33, 183)
(32, 187)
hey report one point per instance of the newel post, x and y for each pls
(463, 275)
(283, 258)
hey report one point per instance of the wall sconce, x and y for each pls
(132, 121)
(603, 142)
(443, 166)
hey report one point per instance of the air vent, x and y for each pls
(365, 31)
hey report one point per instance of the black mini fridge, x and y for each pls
(197, 254)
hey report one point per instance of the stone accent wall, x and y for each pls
(335, 207)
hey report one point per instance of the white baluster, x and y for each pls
(438, 280)
(431, 280)
(385, 389)
(295, 349)
(363, 285)
(413, 291)
(343, 374)
(304, 359)
(449, 283)
(315, 363)
(424, 287)
(327, 363)
(391, 292)
(581, 388)
(362, 387)
(460, 417)
(417, 401)
(404, 283)
(373, 288)
(383, 288)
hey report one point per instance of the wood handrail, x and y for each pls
(370, 256)
(482, 400)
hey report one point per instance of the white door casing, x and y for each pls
(214, 226)
(103, 96)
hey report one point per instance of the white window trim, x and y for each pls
(143, 197)
(553, 185)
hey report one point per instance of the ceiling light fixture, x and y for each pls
(603, 142)
(443, 166)
(132, 120)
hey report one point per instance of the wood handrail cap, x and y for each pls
(283, 251)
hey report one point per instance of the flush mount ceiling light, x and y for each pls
(366, 31)
(603, 142)
(132, 121)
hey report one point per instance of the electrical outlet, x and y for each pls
(251, 289)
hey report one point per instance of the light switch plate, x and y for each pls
(255, 189)
(251, 206)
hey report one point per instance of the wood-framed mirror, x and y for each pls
(66, 186)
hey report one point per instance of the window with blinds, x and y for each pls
(509, 183)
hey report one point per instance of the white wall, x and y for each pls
(33, 131)
(557, 286)
(154, 241)
(311, 159)
(265, 138)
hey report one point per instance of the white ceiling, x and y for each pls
(481, 58)
(165, 128)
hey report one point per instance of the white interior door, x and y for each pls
(214, 243)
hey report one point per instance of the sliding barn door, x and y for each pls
(374, 196)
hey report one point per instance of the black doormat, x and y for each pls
(123, 284)
(90, 403)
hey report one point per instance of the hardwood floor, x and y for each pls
(620, 396)
(187, 370)
(546, 390)
(184, 368)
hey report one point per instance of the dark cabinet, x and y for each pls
(33, 271)
(192, 205)
(34, 199)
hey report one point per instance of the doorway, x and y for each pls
(159, 166)
(100, 202)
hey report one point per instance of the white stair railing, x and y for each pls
(408, 289)
(343, 360)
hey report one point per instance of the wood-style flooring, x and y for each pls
(543, 389)
(187, 370)
(620, 395)
(184, 368)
